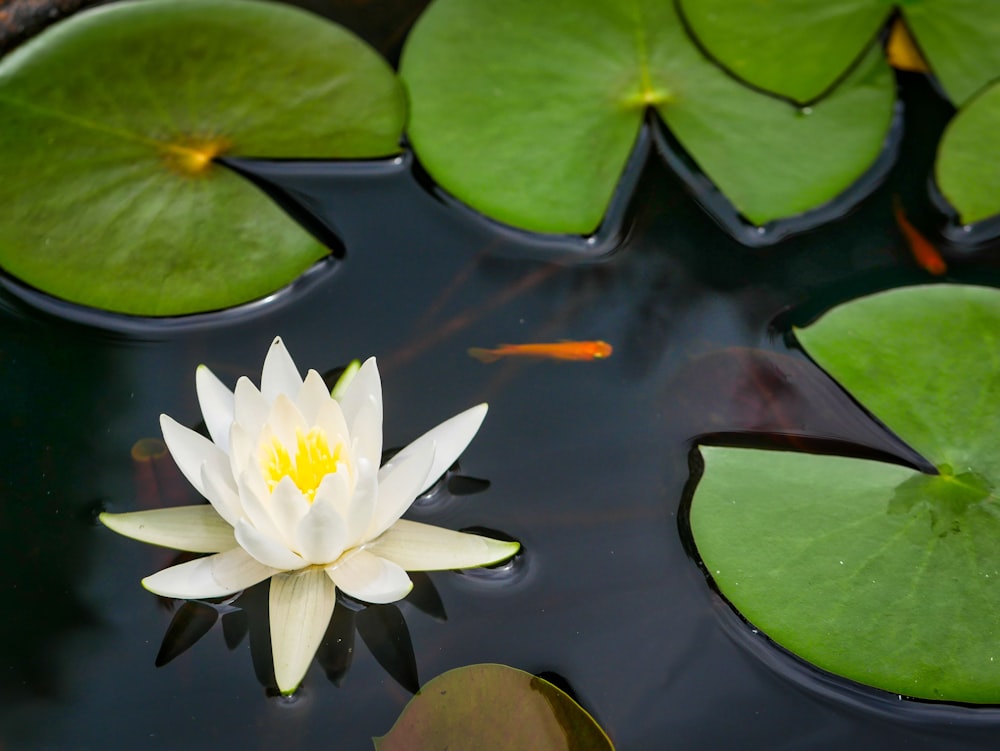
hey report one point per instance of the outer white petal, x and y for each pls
(215, 576)
(287, 506)
(322, 535)
(363, 388)
(301, 605)
(220, 489)
(424, 547)
(189, 450)
(449, 438)
(266, 549)
(249, 408)
(242, 451)
(313, 395)
(366, 432)
(399, 486)
(217, 406)
(279, 376)
(198, 529)
(370, 578)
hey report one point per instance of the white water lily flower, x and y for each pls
(297, 496)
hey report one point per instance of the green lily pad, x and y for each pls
(493, 707)
(528, 111)
(870, 570)
(108, 125)
(960, 40)
(968, 160)
(801, 48)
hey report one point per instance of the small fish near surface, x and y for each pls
(924, 253)
(592, 350)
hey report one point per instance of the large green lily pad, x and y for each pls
(493, 707)
(968, 160)
(528, 111)
(108, 125)
(801, 48)
(870, 570)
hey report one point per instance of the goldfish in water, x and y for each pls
(924, 253)
(594, 350)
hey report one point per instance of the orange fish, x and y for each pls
(596, 350)
(923, 252)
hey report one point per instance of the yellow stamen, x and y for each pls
(313, 460)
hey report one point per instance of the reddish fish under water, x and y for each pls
(924, 253)
(595, 350)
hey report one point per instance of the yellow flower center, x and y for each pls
(313, 460)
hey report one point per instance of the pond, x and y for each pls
(587, 464)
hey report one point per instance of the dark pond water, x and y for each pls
(587, 463)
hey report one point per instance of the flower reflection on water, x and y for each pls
(297, 496)
(382, 628)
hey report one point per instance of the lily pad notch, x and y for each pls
(113, 198)
(528, 114)
(802, 49)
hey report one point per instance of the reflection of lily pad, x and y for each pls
(493, 707)
(528, 111)
(109, 121)
(800, 48)
(968, 163)
(870, 570)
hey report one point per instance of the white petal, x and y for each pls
(313, 395)
(242, 450)
(424, 547)
(364, 387)
(287, 506)
(249, 408)
(399, 486)
(366, 432)
(217, 406)
(321, 535)
(369, 578)
(254, 498)
(198, 529)
(266, 549)
(189, 450)
(279, 376)
(285, 421)
(330, 419)
(335, 490)
(355, 508)
(300, 605)
(219, 488)
(449, 438)
(215, 576)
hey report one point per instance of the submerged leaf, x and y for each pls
(528, 112)
(493, 707)
(871, 570)
(110, 123)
